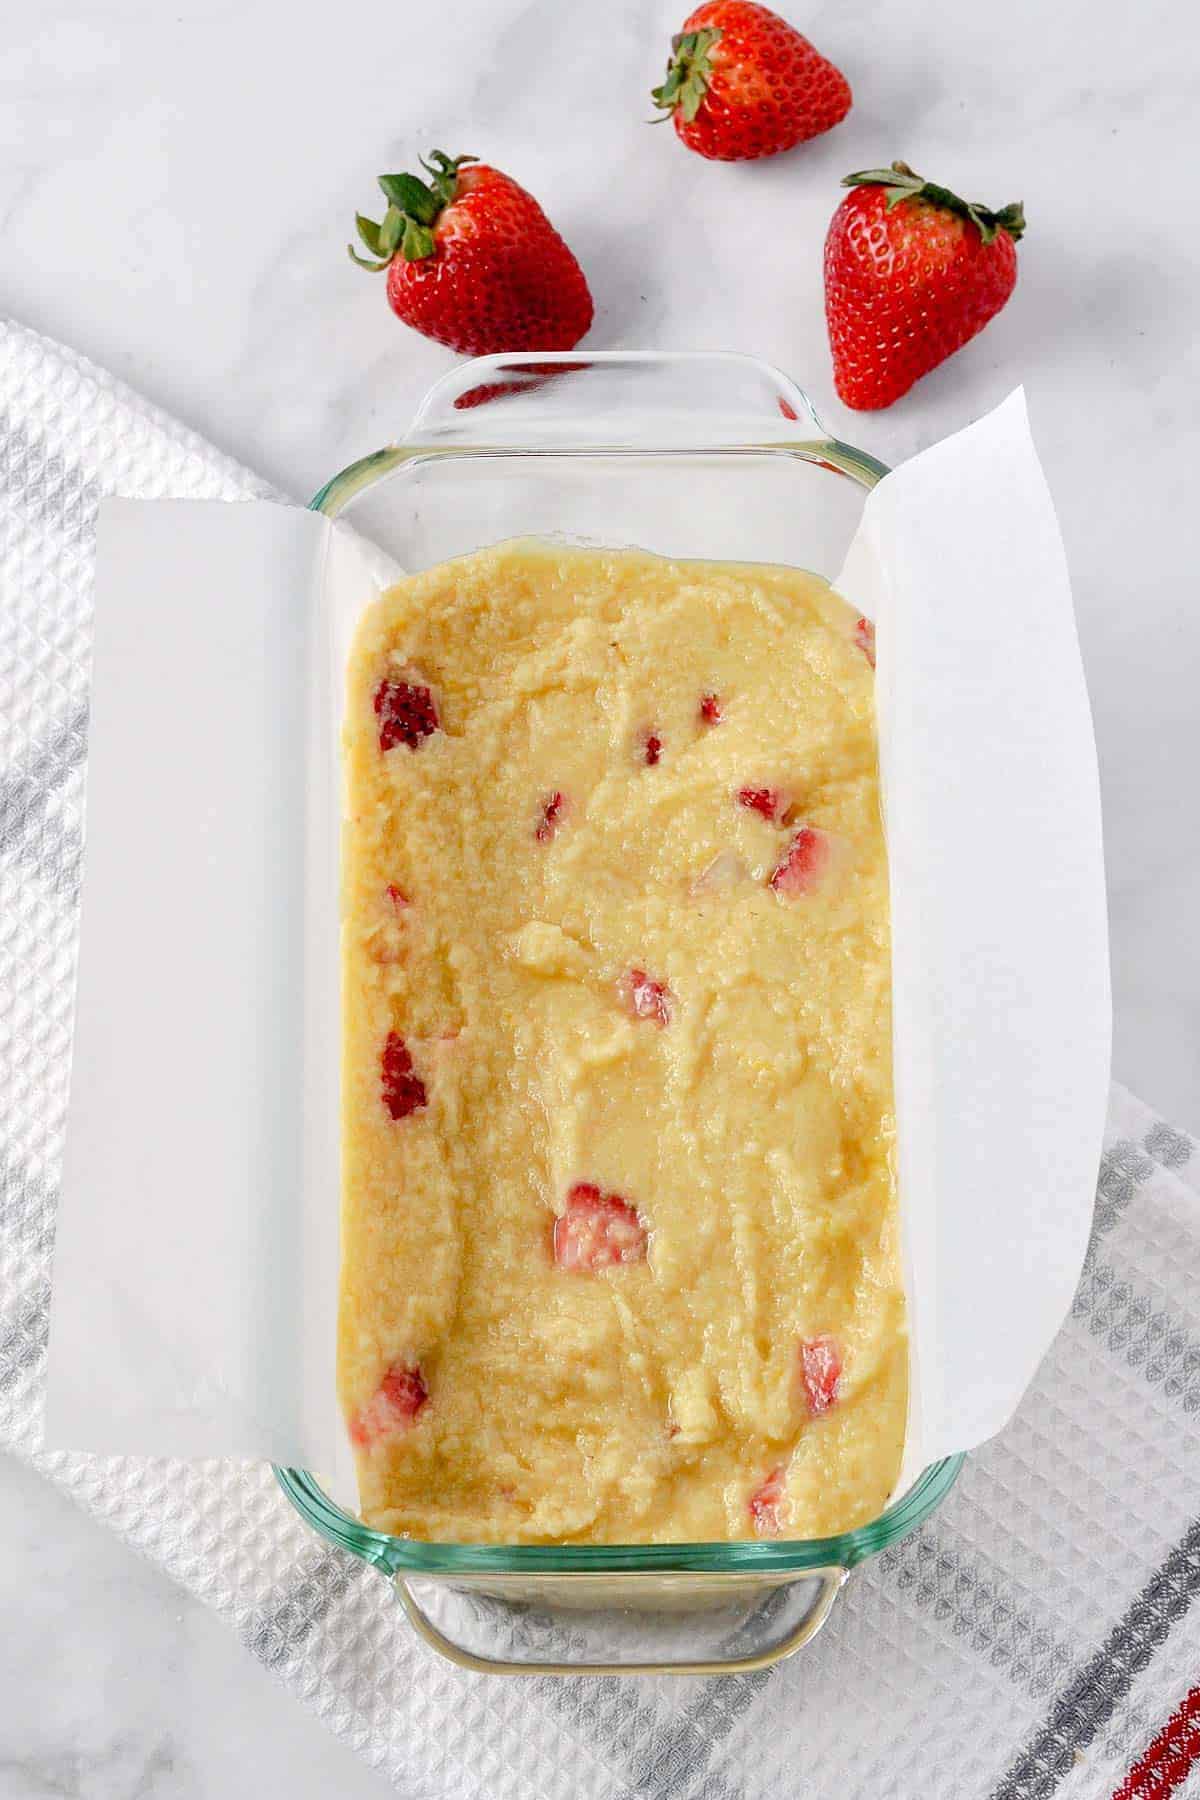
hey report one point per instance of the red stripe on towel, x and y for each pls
(1168, 1757)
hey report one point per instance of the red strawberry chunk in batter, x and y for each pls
(597, 1231)
(653, 747)
(406, 713)
(392, 1408)
(646, 998)
(397, 896)
(864, 637)
(805, 865)
(403, 1089)
(768, 1504)
(770, 803)
(710, 709)
(820, 1372)
(553, 811)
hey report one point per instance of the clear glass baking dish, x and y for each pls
(695, 455)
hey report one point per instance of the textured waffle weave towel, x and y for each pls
(1040, 1635)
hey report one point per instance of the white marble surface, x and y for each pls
(176, 183)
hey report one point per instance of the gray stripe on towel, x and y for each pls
(43, 484)
(25, 792)
(1085, 1706)
(276, 1633)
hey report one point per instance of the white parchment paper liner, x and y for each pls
(197, 1254)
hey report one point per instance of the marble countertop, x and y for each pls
(176, 188)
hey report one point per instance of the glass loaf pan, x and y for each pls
(689, 455)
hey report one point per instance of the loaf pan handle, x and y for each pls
(636, 1624)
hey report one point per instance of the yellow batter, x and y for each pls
(620, 1247)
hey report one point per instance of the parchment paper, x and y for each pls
(197, 1263)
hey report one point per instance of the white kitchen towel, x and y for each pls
(1037, 1636)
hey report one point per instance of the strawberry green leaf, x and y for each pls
(1012, 219)
(411, 196)
(413, 209)
(391, 231)
(369, 232)
(417, 241)
(688, 73)
(443, 173)
(362, 262)
(901, 183)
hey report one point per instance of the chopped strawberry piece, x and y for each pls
(397, 896)
(710, 709)
(406, 713)
(768, 1504)
(403, 1090)
(805, 865)
(553, 811)
(653, 747)
(597, 1231)
(771, 803)
(393, 1406)
(646, 998)
(864, 637)
(820, 1372)
(786, 408)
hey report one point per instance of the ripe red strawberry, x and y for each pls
(804, 867)
(768, 1504)
(597, 1231)
(864, 637)
(403, 1090)
(553, 809)
(771, 803)
(710, 709)
(652, 748)
(743, 83)
(820, 1372)
(474, 262)
(406, 713)
(911, 274)
(644, 997)
(393, 1406)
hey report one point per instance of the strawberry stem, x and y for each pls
(413, 208)
(688, 73)
(902, 183)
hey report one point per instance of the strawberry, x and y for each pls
(553, 809)
(710, 709)
(743, 83)
(406, 713)
(864, 637)
(392, 1407)
(597, 1231)
(652, 747)
(473, 261)
(820, 1372)
(911, 274)
(805, 865)
(397, 896)
(644, 998)
(770, 803)
(533, 376)
(403, 1090)
(768, 1504)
